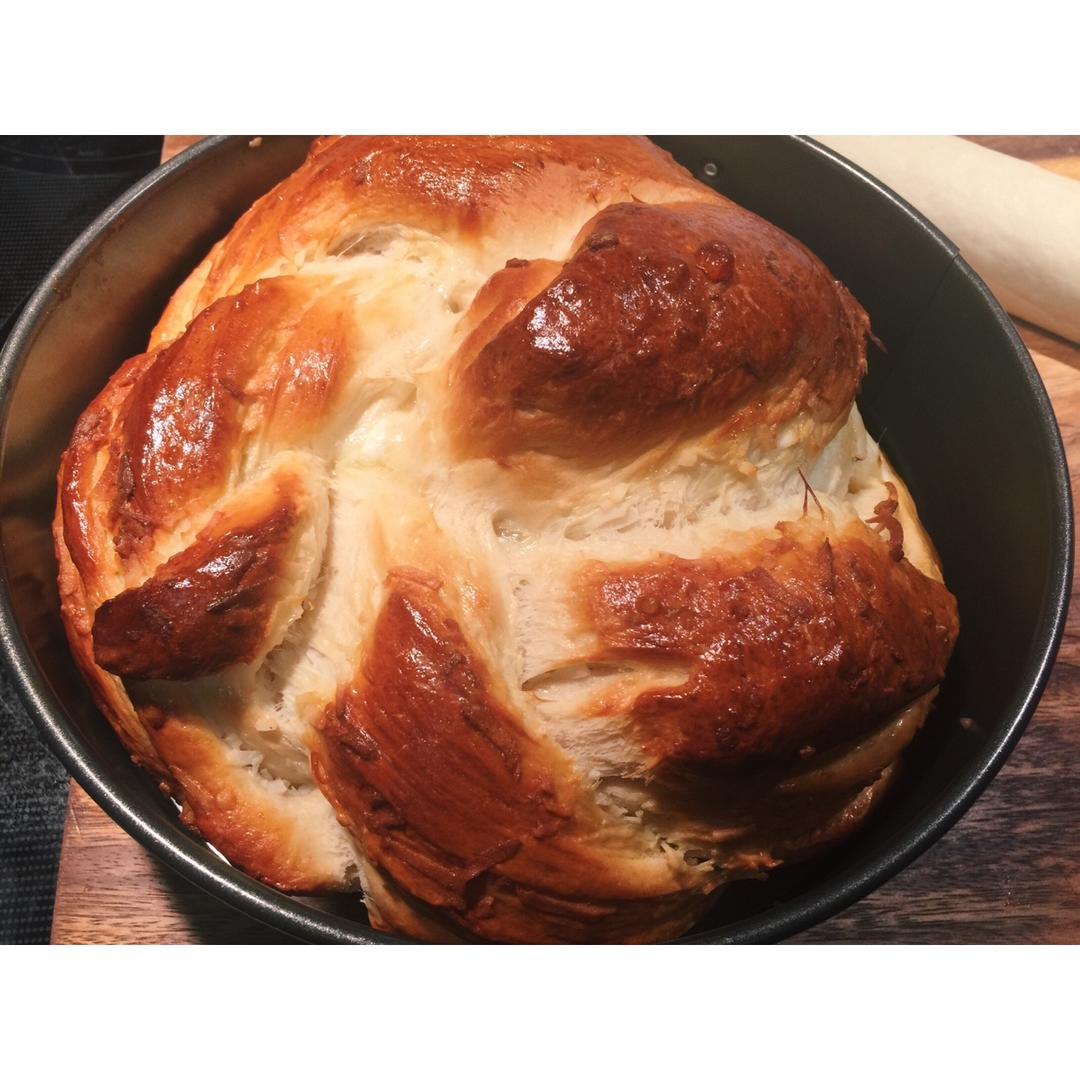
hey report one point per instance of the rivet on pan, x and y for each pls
(709, 169)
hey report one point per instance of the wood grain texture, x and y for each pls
(173, 144)
(1009, 871)
(110, 889)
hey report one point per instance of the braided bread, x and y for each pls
(489, 528)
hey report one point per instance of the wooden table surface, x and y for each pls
(1009, 871)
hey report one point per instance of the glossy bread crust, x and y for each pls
(489, 529)
(794, 645)
(665, 319)
(469, 813)
(211, 605)
(481, 192)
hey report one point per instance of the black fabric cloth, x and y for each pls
(51, 187)
(33, 795)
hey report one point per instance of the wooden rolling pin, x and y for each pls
(1015, 223)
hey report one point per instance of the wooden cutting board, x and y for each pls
(1009, 871)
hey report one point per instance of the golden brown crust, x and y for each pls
(160, 452)
(667, 318)
(76, 612)
(471, 189)
(244, 822)
(799, 642)
(168, 434)
(79, 521)
(462, 808)
(210, 605)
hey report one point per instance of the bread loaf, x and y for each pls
(489, 528)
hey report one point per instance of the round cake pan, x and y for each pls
(954, 400)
